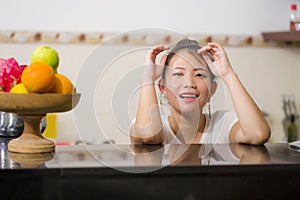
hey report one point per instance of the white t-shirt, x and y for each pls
(216, 129)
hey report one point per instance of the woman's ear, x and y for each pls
(214, 87)
(161, 86)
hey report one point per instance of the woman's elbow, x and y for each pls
(145, 137)
(263, 135)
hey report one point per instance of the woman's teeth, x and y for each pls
(188, 96)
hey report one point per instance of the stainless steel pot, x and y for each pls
(11, 124)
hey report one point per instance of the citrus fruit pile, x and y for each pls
(41, 75)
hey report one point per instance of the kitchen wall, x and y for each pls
(267, 70)
(196, 16)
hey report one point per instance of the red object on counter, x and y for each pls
(63, 143)
(294, 19)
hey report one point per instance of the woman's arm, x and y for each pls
(252, 127)
(249, 154)
(147, 128)
(147, 155)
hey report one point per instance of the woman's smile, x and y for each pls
(189, 96)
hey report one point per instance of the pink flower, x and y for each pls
(10, 73)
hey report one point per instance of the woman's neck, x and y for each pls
(188, 127)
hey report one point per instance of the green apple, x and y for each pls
(47, 55)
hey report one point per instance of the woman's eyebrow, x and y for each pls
(199, 69)
(178, 67)
(195, 69)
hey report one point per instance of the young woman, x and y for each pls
(187, 82)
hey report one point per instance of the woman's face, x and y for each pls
(188, 84)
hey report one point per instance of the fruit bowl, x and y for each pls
(32, 108)
(37, 103)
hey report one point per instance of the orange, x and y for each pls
(38, 77)
(62, 85)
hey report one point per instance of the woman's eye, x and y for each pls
(200, 75)
(177, 74)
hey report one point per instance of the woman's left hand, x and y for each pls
(221, 66)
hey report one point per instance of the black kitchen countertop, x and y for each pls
(110, 171)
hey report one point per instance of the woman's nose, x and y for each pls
(190, 83)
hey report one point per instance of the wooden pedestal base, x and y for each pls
(31, 140)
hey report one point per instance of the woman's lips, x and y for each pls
(188, 96)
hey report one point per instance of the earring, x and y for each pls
(209, 109)
(163, 100)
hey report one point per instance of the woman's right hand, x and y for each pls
(153, 70)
